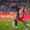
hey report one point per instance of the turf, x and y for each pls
(8, 22)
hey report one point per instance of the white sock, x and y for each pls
(28, 25)
(13, 23)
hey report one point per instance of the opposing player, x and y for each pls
(17, 10)
(21, 16)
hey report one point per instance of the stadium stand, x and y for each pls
(6, 5)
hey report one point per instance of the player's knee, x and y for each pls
(25, 23)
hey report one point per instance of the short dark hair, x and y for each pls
(14, 2)
(20, 5)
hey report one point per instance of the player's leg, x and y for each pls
(27, 28)
(27, 24)
(24, 21)
(14, 23)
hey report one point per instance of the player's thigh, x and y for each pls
(18, 18)
(23, 20)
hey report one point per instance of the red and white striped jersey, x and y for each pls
(21, 12)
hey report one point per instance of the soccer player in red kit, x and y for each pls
(21, 16)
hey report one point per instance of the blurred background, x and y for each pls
(7, 5)
(8, 10)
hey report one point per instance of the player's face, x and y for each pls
(14, 3)
(19, 7)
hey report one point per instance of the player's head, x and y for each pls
(14, 2)
(20, 6)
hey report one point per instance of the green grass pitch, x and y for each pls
(4, 22)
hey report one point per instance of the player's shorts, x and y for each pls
(21, 19)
